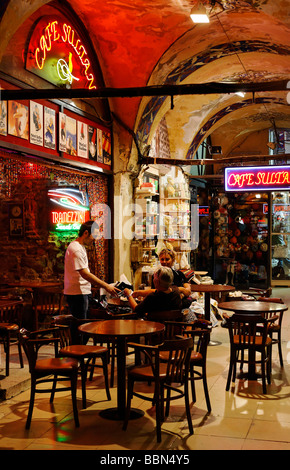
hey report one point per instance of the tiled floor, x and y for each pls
(241, 419)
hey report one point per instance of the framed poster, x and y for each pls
(62, 132)
(92, 143)
(100, 157)
(71, 136)
(82, 139)
(49, 128)
(3, 117)
(18, 120)
(107, 148)
(36, 123)
(16, 220)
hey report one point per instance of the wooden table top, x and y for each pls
(211, 288)
(121, 327)
(250, 306)
(35, 284)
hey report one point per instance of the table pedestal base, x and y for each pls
(114, 414)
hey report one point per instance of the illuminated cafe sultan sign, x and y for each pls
(57, 54)
(263, 178)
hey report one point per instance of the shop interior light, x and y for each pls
(199, 14)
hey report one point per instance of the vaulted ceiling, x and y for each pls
(154, 42)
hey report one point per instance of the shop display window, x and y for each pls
(280, 236)
(241, 239)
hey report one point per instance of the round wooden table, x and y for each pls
(208, 289)
(252, 306)
(122, 330)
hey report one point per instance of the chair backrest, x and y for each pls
(48, 300)
(199, 330)
(33, 341)
(179, 351)
(243, 328)
(166, 315)
(276, 300)
(12, 313)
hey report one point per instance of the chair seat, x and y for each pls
(145, 372)
(58, 364)
(9, 326)
(78, 350)
(258, 340)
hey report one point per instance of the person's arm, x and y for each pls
(131, 300)
(143, 292)
(185, 290)
(94, 280)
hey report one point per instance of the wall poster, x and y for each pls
(36, 123)
(18, 120)
(82, 139)
(49, 128)
(3, 117)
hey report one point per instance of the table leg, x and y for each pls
(207, 305)
(119, 412)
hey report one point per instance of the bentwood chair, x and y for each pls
(48, 370)
(165, 376)
(200, 331)
(249, 333)
(86, 354)
(276, 327)
(10, 323)
(47, 302)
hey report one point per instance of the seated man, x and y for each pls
(165, 297)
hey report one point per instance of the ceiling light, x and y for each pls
(199, 14)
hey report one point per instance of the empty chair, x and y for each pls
(10, 323)
(250, 333)
(47, 302)
(166, 315)
(86, 354)
(276, 327)
(200, 331)
(164, 375)
(48, 370)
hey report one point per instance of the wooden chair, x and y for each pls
(46, 302)
(163, 375)
(200, 331)
(166, 315)
(86, 354)
(249, 332)
(41, 370)
(10, 323)
(276, 327)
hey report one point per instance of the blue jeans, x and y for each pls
(78, 305)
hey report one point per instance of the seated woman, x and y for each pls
(165, 296)
(167, 258)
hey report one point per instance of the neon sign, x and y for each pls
(264, 178)
(69, 209)
(57, 54)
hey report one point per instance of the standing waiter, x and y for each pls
(77, 277)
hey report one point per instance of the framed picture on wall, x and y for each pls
(16, 220)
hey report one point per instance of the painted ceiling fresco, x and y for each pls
(154, 42)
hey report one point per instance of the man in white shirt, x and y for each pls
(77, 277)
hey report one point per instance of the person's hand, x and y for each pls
(112, 290)
(127, 292)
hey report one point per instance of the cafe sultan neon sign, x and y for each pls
(57, 54)
(69, 209)
(263, 178)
